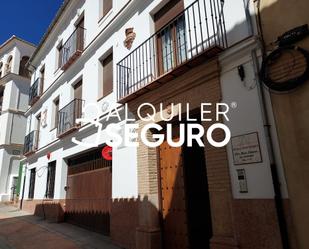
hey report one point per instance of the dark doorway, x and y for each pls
(197, 197)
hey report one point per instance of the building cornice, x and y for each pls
(50, 28)
(15, 38)
(18, 112)
(12, 76)
(12, 146)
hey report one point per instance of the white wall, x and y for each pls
(247, 118)
(12, 120)
(102, 36)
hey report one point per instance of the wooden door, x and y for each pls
(173, 199)
(89, 192)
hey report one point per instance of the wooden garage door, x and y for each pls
(173, 200)
(89, 192)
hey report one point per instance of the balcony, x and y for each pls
(31, 143)
(36, 91)
(195, 35)
(67, 117)
(72, 48)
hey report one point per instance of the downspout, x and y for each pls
(266, 123)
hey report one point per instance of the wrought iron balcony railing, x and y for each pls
(36, 91)
(67, 117)
(72, 48)
(31, 143)
(198, 30)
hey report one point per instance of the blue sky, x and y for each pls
(26, 19)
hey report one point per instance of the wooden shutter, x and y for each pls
(78, 93)
(37, 136)
(108, 75)
(167, 13)
(56, 114)
(60, 52)
(42, 71)
(80, 34)
(32, 184)
(50, 185)
(107, 6)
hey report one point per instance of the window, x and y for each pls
(50, 184)
(1, 67)
(59, 52)
(107, 6)
(107, 65)
(9, 64)
(42, 76)
(1, 98)
(171, 39)
(56, 112)
(23, 71)
(80, 35)
(31, 184)
(172, 45)
(38, 128)
(78, 90)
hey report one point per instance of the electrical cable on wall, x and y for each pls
(285, 68)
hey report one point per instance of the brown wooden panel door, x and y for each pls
(173, 200)
(88, 200)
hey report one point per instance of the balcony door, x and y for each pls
(80, 34)
(171, 39)
(37, 135)
(42, 77)
(78, 92)
(78, 95)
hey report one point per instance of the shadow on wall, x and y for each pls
(51, 211)
(120, 223)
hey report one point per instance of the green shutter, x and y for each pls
(20, 174)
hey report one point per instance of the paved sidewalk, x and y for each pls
(19, 230)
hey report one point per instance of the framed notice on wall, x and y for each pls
(246, 149)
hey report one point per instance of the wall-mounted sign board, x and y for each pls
(246, 149)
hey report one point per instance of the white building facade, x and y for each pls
(14, 87)
(99, 54)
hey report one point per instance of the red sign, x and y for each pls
(48, 155)
(107, 153)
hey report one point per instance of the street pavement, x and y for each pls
(20, 230)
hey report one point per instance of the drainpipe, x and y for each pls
(266, 123)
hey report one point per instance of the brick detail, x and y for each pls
(199, 85)
(147, 167)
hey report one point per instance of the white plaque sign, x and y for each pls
(246, 149)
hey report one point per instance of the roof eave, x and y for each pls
(50, 29)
